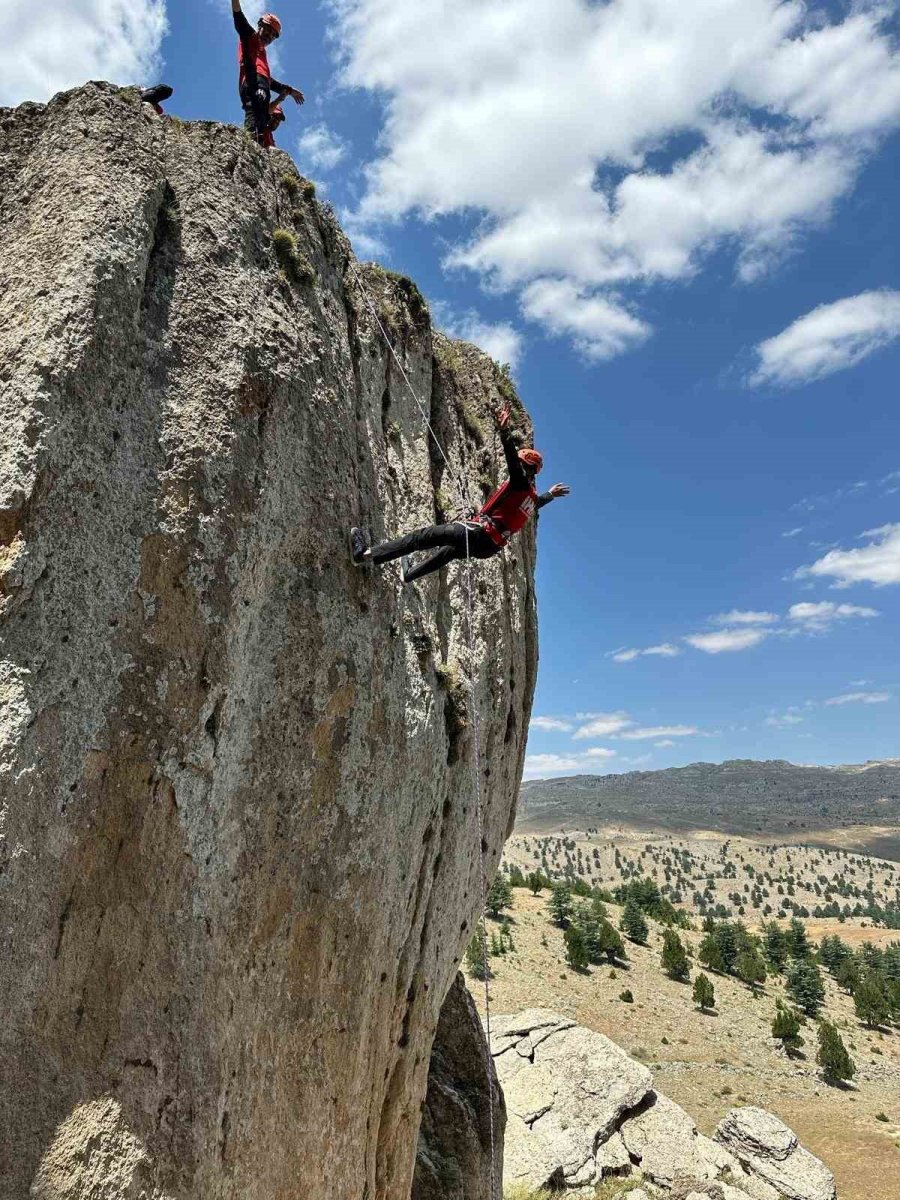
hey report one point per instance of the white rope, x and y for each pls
(476, 727)
(463, 494)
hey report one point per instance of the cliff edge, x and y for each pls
(238, 841)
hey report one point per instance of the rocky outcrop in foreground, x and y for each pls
(581, 1111)
(238, 845)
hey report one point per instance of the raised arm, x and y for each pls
(241, 24)
(517, 476)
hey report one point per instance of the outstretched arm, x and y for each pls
(558, 489)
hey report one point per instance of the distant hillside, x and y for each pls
(739, 796)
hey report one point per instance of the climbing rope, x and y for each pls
(476, 724)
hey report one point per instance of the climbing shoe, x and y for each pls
(358, 546)
(405, 567)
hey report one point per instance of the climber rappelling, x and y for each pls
(504, 514)
(255, 82)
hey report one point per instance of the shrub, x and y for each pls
(627, 996)
(294, 264)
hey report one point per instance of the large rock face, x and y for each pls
(238, 839)
(581, 1112)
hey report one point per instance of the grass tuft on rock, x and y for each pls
(295, 265)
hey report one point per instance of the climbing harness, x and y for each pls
(476, 726)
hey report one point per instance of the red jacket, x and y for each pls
(507, 511)
(258, 57)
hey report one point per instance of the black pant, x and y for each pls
(451, 537)
(255, 101)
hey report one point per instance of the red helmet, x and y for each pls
(277, 116)
(272, 21)
(531, 458)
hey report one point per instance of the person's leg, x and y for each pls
(433, 562)
(477, 545)
(255, 102)
(429, 538)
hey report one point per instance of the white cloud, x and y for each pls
(321, 147)
(540, 115)
(725, 640)
(745, 617)
(663, 650)
(658, 731)
(878, 562)
(59, 45)
(664, 744)
(540, 765)
(817, 617)
(830, 338)
(501, 340)
(783, 721)
(599, 326)
(860, 698)
(790, 533)
(551, 725)
(603, 725)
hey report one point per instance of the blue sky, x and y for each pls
(680, 222)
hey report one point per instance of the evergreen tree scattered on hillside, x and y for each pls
(500, 895)
(871, 999)
(516, 877)
(560, 905)
(786, 1027)
(805, 987)
(611, 942)
(475, 958)
(633, 924)
(704, 992)
(797, 942)
(847, 975)
(750, 966)
(674, 957)
(833, 952)
(837, 1065)
(537, 881)
(576, 950)
(776, 946)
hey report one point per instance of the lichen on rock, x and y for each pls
(238, 842)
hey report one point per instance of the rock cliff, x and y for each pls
(238, 846)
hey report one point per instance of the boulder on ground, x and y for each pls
(769, 1150)
(567, 1091)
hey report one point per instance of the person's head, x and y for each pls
(531, 460)
(277, 117)
(269, 28)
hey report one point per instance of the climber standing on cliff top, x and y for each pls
(506, 512)
(256, 83)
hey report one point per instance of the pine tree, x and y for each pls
(871, 1000)
(776, 950)
(610, 941)
(837, 1065)
(847, 975)
(805, 987)
(516, 877)
(786, 1027)
(797, 941)
(674, 957)
(710, 954)
(535, 882)
(576, 951)
(633, 924)
(475, 958)
(750, 966)
(500, 895)
(560, 905)
(704, 992)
